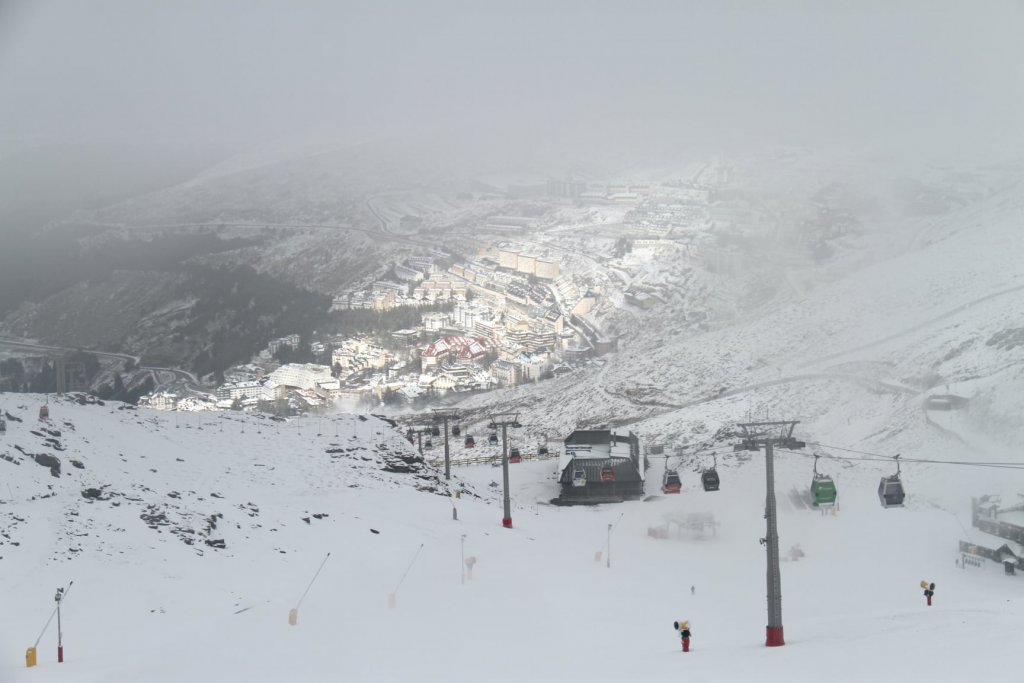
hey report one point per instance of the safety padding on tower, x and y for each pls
(30, 657)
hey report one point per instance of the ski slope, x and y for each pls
(146, 605)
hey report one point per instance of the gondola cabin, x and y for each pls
(607, 473)
(44, 412)
(470, 442)
(709, 479)
(428, 444)
(579, 478)
(456, 430)
(435, 431)
(670, 482)
(890, 492)
(823, 490)
(514, 455)
(493, 439)
(542, 450)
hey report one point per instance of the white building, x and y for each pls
(161, 401)
(301, 376)
(291, 341)
(547, 269)
(240, 390)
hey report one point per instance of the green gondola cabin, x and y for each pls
(823, 490)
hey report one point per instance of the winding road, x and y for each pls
(49, 349)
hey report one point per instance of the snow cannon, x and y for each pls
(929, 591)
(684, 633)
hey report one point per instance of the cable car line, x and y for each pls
(877, 457)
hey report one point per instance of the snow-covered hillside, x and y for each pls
(540, 603)
(914, 305)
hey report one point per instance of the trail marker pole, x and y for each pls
(293, 615)
(611, 527)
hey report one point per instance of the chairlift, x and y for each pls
(607, 473)
(456, 430)
(579, 478)
(670, 482)
(709, 477)
(823, 489)
(470, 443)
(890, 489)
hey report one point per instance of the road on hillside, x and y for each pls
(808, 377)
(881, 385)
(50, 349)
(931, 321)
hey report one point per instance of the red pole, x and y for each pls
(686, 644)
(929, 601)
(60, 636)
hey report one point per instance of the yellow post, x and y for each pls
(30, 657)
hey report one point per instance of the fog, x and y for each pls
(551, 81)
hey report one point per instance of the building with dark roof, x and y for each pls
(600, 466)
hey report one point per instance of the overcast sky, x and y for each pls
(249, 73)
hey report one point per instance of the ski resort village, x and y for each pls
(526, 304)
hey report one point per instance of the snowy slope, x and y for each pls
(936, 301)
(147, 606)
(915, 305)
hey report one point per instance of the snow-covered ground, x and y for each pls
(540, 605)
